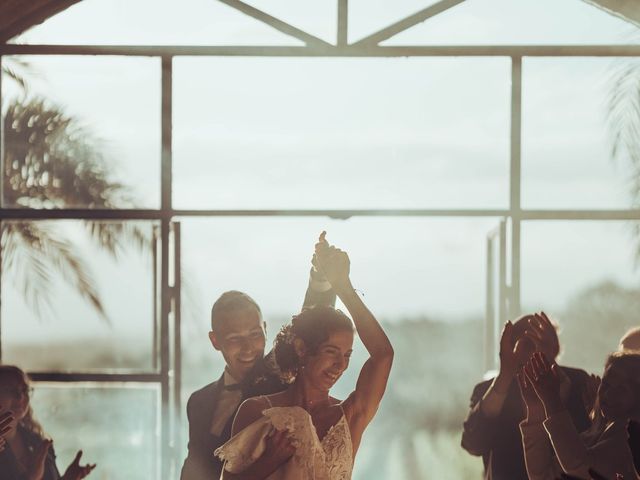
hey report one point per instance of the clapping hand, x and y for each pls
(535, 409)
(590, 392)
(541, 332)
(546, 382)
(75, 471)
(508, 359)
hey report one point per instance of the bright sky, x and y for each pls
(343, 133)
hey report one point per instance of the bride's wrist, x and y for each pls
(344, 288)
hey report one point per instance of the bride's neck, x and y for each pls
(308, 396)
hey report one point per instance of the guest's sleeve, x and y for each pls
(479, 430)
(538, 453)
(570, 450)
(609, 456)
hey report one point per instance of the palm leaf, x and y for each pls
(52, 161)
(623, 118)
(117, 237)
(35, 254)
(16, 69)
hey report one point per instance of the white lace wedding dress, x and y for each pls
(329, 459)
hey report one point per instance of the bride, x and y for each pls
(304, 433)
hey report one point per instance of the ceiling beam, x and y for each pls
(17, 17)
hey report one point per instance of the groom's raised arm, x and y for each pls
(319, 291)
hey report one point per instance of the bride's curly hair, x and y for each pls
(313, 326)
(14, 376)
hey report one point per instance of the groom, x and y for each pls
(238, 332)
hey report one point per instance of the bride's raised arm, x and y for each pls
(362, 404)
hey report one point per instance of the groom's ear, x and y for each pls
(299, 347)
(215, 342)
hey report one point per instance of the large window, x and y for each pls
(67, 290)
(313, 131)
(583, 273)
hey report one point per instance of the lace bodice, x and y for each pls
(329, 459)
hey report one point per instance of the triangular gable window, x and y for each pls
(520, 22)
(154, 22)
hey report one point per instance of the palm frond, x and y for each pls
(16, 69)
(51, 161)
(35, 253)
(116, 237)
(623, 119)
(26, 270)
(623, 104)
(16, 77)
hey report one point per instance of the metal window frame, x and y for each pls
(366, 47)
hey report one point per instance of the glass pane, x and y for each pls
(69, 284)
(409, 271)
(116, 427)
(566, 143)
(341, 133)
(83, 133)
(506, 22)
(128, 22)
(318, 18)
(369, 16)
(584, 274)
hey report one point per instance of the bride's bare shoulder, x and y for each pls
(250, 410)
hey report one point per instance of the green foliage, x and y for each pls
(593, 322)
(51, 161)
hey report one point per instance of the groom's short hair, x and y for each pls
(231, 301)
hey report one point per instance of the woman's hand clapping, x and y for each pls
(535, 409)
(545, 379)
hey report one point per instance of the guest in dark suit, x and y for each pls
(238, 332)
(491, 429)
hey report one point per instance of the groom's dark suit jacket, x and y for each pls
(200, 463)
